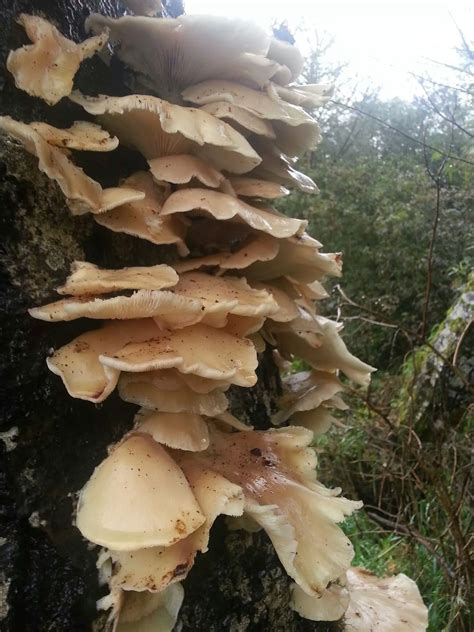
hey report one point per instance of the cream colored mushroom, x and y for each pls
(169, 391)
(82, 135)
(319, 420)
(223, 207)
(287, 55)
(390, 604)
(142, 218)
(300, 259)
(150, 612)
(243, 121)
(305, 391)
(310, 95)
(83, 194)
(158, 128)
(182, 431)
(275, 469)
(47, 67)
(175, 53)
(154, 569)
(327, 352)
(87, 278)
(181, 169)
(137, 497)
(78, 365)
(199, 349)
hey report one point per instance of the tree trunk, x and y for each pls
(51, 442)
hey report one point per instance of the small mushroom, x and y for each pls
(150, 612)
(243, 121)
(47, 67)
(330, 605)
(223, 206)
(390, 604)
(143, 219)
(199, 349)
(83, 194)
(157, 128)
(137, 497)
(82, 136)
(182, 431)
(169, 391)
(255, 188)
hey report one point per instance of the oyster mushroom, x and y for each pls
(137, 497)
(157, 128)
(181, 169)
(47, 67)
(83, 194)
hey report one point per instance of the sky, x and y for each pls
(381, 40)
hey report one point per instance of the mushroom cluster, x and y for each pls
(220, 122)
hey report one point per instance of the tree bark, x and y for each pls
(51, 442)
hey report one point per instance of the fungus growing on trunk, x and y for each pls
(47, 67)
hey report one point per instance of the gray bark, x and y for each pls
(51, 443)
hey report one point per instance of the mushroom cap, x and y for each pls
(243, 121)
(225, 294)
(310, 95)
(47, 67)
(253, 187)
(181, 431)
(167, 308)
(142, 218)
(390, 604)
(137, 497)
(181, 169)
(82, 135)
(300, 259)
(175, 53)
(82, 192)
(87, 278)
(158, 128)
(223, 206)
(330, 605)
(306, 391)
(275, 469)
(199, 349)
(331, 353)
(78, 365)
(170, 391)
(256, 102)
(318, 420)
(150, 612)
(287, 55)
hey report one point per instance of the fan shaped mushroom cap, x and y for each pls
(310, 95)
(199, 349)
(318, 420)
(47, 67)
(150, 612)
(142, 218)
(137, 497)
(87, 278)
(175, 53)
(182, 431)
(168, 309)
(82, 192)
(167, 391)
(180, 169)
(225, 294)
(254, 101)
(275, 469)
(158, 128)
(300, 259)
(328, 606)
(244, 122)
(78, 365)
(154, 569)
(253, 187)
(223, 206)
(82, 135)
(331, 354)
(390, 604)
(305, 391)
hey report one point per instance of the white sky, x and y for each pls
(380, 39)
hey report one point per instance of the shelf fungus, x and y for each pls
(216, 125)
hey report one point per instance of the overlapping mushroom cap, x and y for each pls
(47, 67)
